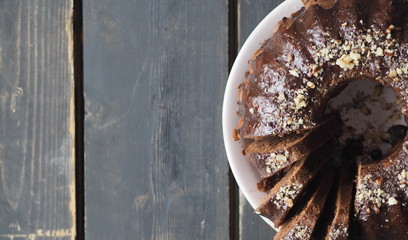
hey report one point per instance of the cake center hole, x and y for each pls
(373, 120)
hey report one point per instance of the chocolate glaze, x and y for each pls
(307, 60)
(390, 223)
(284, 64)
(381, 197)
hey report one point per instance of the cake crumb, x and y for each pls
(235, 135)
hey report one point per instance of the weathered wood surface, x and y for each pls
(250, 13)
(37, 189)
(154, 77)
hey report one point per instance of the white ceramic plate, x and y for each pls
(245, 175)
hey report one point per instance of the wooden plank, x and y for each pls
(37, 186)
(155, 164)
(250, 13)
(251, 226)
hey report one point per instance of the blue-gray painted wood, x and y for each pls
(37, 195)
(154, 78)
(250, 13)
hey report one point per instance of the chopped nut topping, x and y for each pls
(369, 38)
(300, 232)
(289, 202)
(311, 84)
(290, 121)
(388, 52)
(399, 71)
(379, 181)
(338, 233)
(315, 68)
(294, 72)
(392, 201)
(235, 135)
(286, 194)
(281, 96)
(392, 73)
(299, 98)
(355, 56)
(403, 179)
(346, 62)
(369, 192)
(379, 52)
(289, 58)
(276, 161)
(390, 28)
(300, 101)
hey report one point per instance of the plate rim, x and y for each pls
(262, 32)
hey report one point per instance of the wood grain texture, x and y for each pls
(155, 164)
(250, 13)
(37, 190)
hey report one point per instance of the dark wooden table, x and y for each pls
(110, 119)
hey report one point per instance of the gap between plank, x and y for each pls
(79, 119)
(232, 53)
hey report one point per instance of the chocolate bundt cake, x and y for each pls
(272, 155)
(310, 58)
(284, 195)
(303, 225)
(267, 184)
(339, 228)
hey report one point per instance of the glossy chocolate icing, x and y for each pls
(381, 197)
(312, 55)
